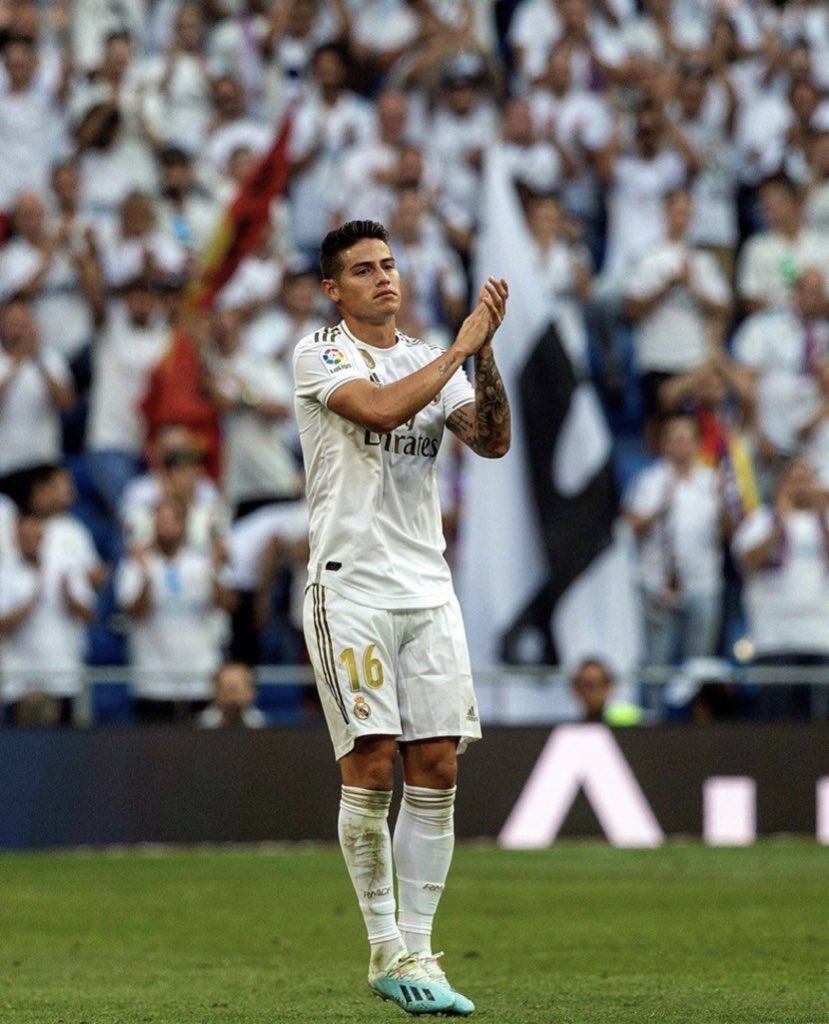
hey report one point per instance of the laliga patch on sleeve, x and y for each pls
(334, 359)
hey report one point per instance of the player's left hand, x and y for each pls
(493, 295)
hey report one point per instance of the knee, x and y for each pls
(378, 773)
(444, 773)
(370, 765)
(431, 766)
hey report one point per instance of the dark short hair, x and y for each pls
(338, 49)
(594, 661)
(343, 238)
(780, 180)
(118, 35)
(174, 156)
(182, 457)
(678, 416)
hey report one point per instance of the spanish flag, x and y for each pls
(243, 224)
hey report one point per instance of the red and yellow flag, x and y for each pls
(243, 224)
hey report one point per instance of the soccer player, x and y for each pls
(382, 623)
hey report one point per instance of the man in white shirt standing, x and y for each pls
(35, 387)
(678, 299)
(46, 603)
(676, 511)
(330, 121)
(382, 623)
(131, 340)
(31, 122)
(254, 396)
(169, 591)
(638, 180)
(782, 549)
(57, 270)
(772, 260)
(783, 350)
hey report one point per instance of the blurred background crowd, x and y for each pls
(672, 159)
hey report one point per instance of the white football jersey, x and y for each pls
(375, 525)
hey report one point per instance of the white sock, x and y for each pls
(424, 840)
(366, 845)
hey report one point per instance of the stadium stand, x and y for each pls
(672, 162)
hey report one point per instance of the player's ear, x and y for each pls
(330, 289)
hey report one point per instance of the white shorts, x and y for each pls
(390, 673)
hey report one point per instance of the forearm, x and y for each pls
(636, 309)
(78, 610)
(32, 285)
(493, 425)
(140, 607)
(225, 599)
(63, 395)
(711, 307)
(10, 622)
(641, 523)
(92, 285)
(485, 426)
(382, 409)
(807, 429)
(762, 555)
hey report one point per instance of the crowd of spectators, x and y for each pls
(673, 161)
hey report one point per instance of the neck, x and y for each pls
(380, 335)
(790, 228)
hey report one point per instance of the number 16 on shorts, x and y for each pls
(352, 666)
(386, 672)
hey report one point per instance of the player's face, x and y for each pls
(679, 442)
(368, 284)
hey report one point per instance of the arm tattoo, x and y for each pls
(492, 415)
(486, 426)
(447, 367)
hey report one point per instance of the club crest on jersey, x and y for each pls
(367, 358)
(334, 359)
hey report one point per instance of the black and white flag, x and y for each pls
(544, 575)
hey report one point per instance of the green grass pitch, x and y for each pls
(577, 934)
